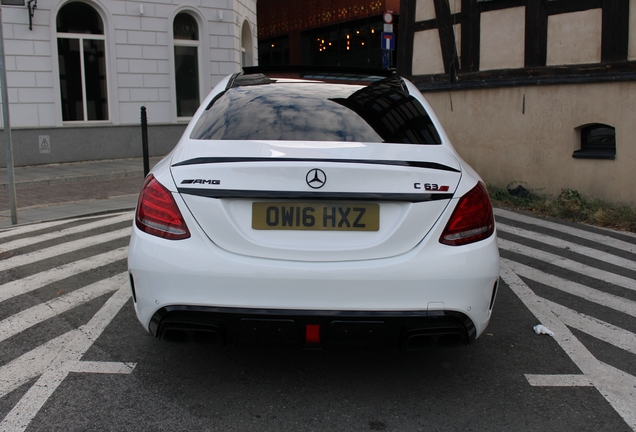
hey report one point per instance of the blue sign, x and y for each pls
(386, 59)
(388, 41)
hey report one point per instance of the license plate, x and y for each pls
(315, 216)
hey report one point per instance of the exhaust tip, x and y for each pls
(420, 339)
(175, 336)
(198, 334)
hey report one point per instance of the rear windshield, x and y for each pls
(317, 112)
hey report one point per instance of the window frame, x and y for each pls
(200, 46)
(81, 37)
(588, 150)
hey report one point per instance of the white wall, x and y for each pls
(139, 56)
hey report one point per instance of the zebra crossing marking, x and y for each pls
(51, 362)
(616, 386)
(590, 294)
(53, 251)
(29, 241)
(606, 332)
(28, 318)
(567, 229)
(559, 380)
(38, 280)
(14, 231)
(562, 244)
(568, 264)
(58, 358)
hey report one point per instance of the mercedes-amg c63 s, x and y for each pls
(317, 209)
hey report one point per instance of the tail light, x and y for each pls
(157, 212)
(472, 219)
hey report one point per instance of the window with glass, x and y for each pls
(81, 50)
(186, 63)
(262, 109)
(598, 141)
(273, 52)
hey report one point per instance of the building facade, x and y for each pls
(534, 91)
(322, 33)
(79, 71)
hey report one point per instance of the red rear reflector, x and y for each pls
(157, 212)
(312, 333)
(472, 219)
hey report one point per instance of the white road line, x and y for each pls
(565, 263)
(72, 246)
(29, 317)
(559, 380)
(598, 238)
(16, 244)
(605, 299)
(10, 232)
(102, 367)
(625, 233)
(26, 409)
(606, 332)
(38, 280)
(582, 250)
(33, 363)
(69, 346)
(51, 361)
(616, 386)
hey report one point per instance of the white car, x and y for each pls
(315, 209)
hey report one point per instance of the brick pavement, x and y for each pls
(71, 191)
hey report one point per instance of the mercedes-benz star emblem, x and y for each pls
(316, 178)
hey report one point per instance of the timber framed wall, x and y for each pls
(514, 83)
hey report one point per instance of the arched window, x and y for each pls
(186, 63)
(82, 63)
(247, 50)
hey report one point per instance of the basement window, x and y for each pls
(598, 141)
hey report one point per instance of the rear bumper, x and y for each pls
(197, 275)
(406, 331)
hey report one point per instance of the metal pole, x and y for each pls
(144, 140)
(7, 129)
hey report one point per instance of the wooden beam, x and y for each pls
(471, 31)
(405, 35)
(500, 4)
(615, 34)
(546, 75)
(568, 6)
(536, 33)
(447, 37)
(425, 25)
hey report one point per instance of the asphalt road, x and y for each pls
(74, 357)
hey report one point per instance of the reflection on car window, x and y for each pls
(379, 112)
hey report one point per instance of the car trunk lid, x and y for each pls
(318, 201)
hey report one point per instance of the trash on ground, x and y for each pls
(541, 329)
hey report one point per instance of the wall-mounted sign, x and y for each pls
(45, 143)
(388, 41)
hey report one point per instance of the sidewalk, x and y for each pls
(58, 191)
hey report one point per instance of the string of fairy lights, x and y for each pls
(282, 17)
(352, 39)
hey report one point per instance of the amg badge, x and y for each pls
(201, 181)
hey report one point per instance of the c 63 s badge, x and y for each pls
(431, 187)
(201, 181)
